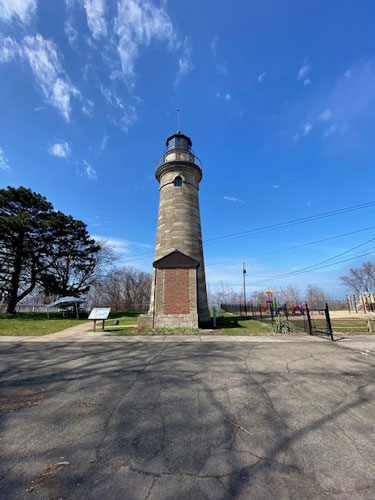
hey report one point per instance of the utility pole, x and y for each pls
(244, 287)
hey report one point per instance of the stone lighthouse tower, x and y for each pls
(178, 294)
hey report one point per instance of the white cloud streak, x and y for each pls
(90, 172)
(60, 149)
(307, 129)
(95, 12)
(261, 77)
(9, 49)
(45, 63)
(138, 23)
(88, 108)
(121, 245)
(326, 115)
(185, 64)
(71, 32)
(4, 162)
(231, 198)
(24, 10)
(302, 74)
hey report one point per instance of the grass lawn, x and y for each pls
(35, 324)
(339, 326)
(235, 325)
(38, 323)
(227, 325)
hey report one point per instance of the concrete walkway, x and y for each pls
(214, 418)
(73, 331)
(84, 333)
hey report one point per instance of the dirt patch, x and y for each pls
(44, 479)
(18, 399)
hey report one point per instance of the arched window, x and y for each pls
(178, 181)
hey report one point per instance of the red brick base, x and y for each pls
(176, 291)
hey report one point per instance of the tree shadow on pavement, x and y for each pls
(211, 420)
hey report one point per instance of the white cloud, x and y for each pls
(9, 49)
(111, 97)
(218, 94)
(185, 64)
(276, 186)
(330, 130)
(4, 162)
(136, 25)
(104, 142)
(45, 62)
(303, 72)
(261, 77)
(307, 82)
(69, 4)
(213, 45)
(307, 128)
(23, 9)
(60, 149)
(88, 108)
(95, 12)
(70, 32)
(231, 198)
(353, 96)
(326, 115)
(90, 172)
(227, 97)
(129, 117)
(129, 112)
(121, 245)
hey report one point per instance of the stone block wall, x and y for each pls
(179, 227)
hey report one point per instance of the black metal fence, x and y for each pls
(314, 319)
(318, 321)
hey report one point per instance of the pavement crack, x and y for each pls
(150, 489)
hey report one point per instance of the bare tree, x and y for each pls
(290, 294)
(258, 297)
(223, 294)
(316, 296)
(361, 279)
(123, 288)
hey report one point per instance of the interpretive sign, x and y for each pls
(99, 314)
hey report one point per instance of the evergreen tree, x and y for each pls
(41, 247)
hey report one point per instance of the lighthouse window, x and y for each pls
(178, 181)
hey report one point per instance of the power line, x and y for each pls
(284, 275)
(324, 266)
(297, 246)
(272, 227)
(372, 252)
(292, 222)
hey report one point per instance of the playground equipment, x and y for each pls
(361, 303)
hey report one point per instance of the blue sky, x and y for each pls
(277, 96)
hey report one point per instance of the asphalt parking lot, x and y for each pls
(186, 420)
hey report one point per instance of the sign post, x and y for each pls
(99, 314)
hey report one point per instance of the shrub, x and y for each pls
(282, 325)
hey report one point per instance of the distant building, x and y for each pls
(178, 294)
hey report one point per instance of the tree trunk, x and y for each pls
(14, 284)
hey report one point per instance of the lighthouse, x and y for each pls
(178, 292)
